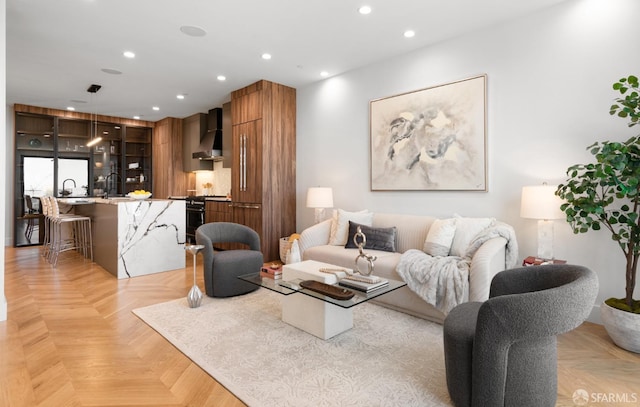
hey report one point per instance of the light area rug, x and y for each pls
(386, 359)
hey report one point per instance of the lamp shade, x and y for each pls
(320, 197)
(541, 202)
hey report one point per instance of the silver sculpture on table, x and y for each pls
(194, 298)
(369, 258)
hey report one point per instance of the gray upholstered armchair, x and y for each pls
(503, 352)
(222, 268)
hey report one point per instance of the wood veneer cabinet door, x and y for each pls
(268, 110)
(247, 108)
(251, 215)
(218, 212)
(246, 175)
(168, 175)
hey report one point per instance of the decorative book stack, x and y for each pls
(361, 284)
(271, 272)
(536, 261)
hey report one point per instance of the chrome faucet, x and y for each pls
(64, 189)
(107, 187)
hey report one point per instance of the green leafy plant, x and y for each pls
(607, 193)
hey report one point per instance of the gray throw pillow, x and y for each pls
(377, 238)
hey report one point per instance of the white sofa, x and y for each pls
(412, 231)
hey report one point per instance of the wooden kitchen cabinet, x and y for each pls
(247, 148)
(169, 177)
(263, 175)
(217, 211)
(250, 215)
(224, 211)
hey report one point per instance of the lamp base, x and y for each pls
(545, 239)
(319, 215)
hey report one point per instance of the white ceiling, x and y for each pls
(56, 49)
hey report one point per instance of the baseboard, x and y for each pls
(594, 316)
(3, 308)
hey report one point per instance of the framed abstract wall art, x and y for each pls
(432, 139)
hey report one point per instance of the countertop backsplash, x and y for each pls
(219, 179)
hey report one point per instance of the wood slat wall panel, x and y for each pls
(80, 115)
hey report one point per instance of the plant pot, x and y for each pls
(623, 327)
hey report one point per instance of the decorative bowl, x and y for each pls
(139, 196)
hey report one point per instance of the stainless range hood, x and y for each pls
(210, 147)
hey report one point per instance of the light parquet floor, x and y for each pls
(71, 340)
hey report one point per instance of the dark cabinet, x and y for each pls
(137, 159)
(193, 129)
(107, 159)
(52, 158)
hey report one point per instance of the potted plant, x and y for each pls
(606, 194)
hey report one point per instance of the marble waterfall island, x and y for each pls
(137, 237)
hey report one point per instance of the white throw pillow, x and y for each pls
(340, 224)
(466, 230)
(440, 237)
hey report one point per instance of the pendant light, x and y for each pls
(93, 137)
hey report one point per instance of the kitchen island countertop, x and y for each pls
(134, 237)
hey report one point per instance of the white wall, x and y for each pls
(3, 153)
(549, 91)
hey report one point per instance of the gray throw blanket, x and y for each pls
(444, 281)
(441, 281)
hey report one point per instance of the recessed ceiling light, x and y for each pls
(181, 97)
(221, 78)
(71, 108)
(111, 71)
(324, 74)
(409, 33)
(156, 108)
(364, 10)
(136, 117)
(266, 56)
(193, 31)
(129, 54)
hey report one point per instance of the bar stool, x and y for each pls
(80, 233)
(45, 207)
(30, 216)
(47, 211)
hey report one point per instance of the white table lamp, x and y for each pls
(319, 198)
(540, 202)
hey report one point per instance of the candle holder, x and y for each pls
(194, 298)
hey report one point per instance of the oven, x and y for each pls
(195, 217)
